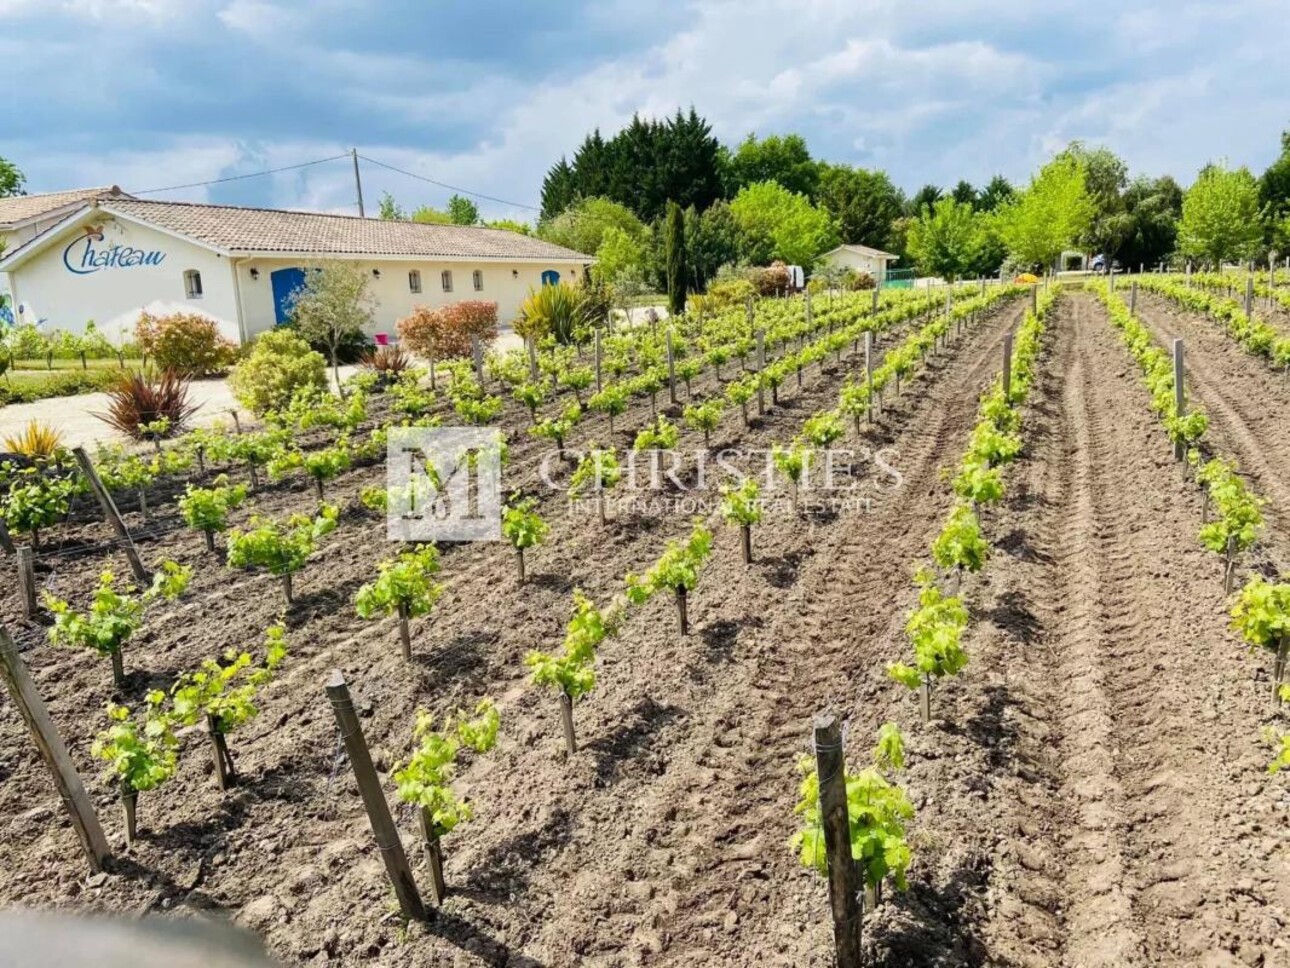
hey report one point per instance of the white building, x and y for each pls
(109, 258)
(861, 258)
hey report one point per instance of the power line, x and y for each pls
(453, 188)
(230, 178)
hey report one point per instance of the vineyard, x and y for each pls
(1042, 601)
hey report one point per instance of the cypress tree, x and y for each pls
(674, 240)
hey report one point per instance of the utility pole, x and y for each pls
(358, 183)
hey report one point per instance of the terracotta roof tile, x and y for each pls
(20, 208)
(236, 229)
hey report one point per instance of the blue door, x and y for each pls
(550, 277)
(285, 283)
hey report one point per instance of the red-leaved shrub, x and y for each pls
(771, 280)
(447, 331)
(187, 343)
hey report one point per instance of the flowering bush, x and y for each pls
(187, 343)
(447, 331)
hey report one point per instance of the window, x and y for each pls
(479, 280)
(414, 281)
(445, 277)
(193, 284)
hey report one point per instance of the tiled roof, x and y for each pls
(20, 208)
(235, 229)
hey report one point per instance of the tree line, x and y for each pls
(769, 198)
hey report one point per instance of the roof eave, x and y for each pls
(574, 259)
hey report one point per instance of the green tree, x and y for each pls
(775, 223)
(945, 239)
(429, 215)
(864, 204)
(12, 180)
(1220, 216)
(1154, 206)
(965, 194)
(619, 255)
(711, 241)
(676, 281)
(1105, 178)
(333, 306)
(559, 189)
(925, 197)
(643, 166)
(1051, 214)
(462, 210)
(390, 209)
(783, 159)
(1274, 196)
(996, 192)
(510, 225)
(582, 226)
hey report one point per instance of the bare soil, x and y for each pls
(1091, 792)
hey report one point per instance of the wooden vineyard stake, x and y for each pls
(237, 421)
(1133, 298)
(369, 787)
(519, 563)
(1034, 299)
(54, 752)
(873, 305)
(433, 385)
(6, 541)
(1249, 297)
(1229, 569)
(1180, 396)
(682, 609)
(746, 533)
(752, 316)
(533, 367)
(434, 857)
(477, 352)
(113, 516)
(761, 365)
(405, 631)
(1279, 668)
(1007, 367)
(130, 813)
(599, 382)
(27, 582)
(830, 764)
(868, 370)
(225, 774)
(671, 369)
(566, 720)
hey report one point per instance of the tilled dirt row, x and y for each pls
(1121, 794)
(289, 849)
(1248, 406)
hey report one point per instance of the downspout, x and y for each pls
(237, 296)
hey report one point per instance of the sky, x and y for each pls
(485, 95)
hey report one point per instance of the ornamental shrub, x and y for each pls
(188, 343)
(447, 331)
(279, 363)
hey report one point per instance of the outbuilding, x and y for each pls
(111, 258)
(861, 258)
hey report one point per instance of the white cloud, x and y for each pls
(934, 93)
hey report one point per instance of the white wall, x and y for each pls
(44, 288)
(47, 289)
(506, 284)
(873, 265)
